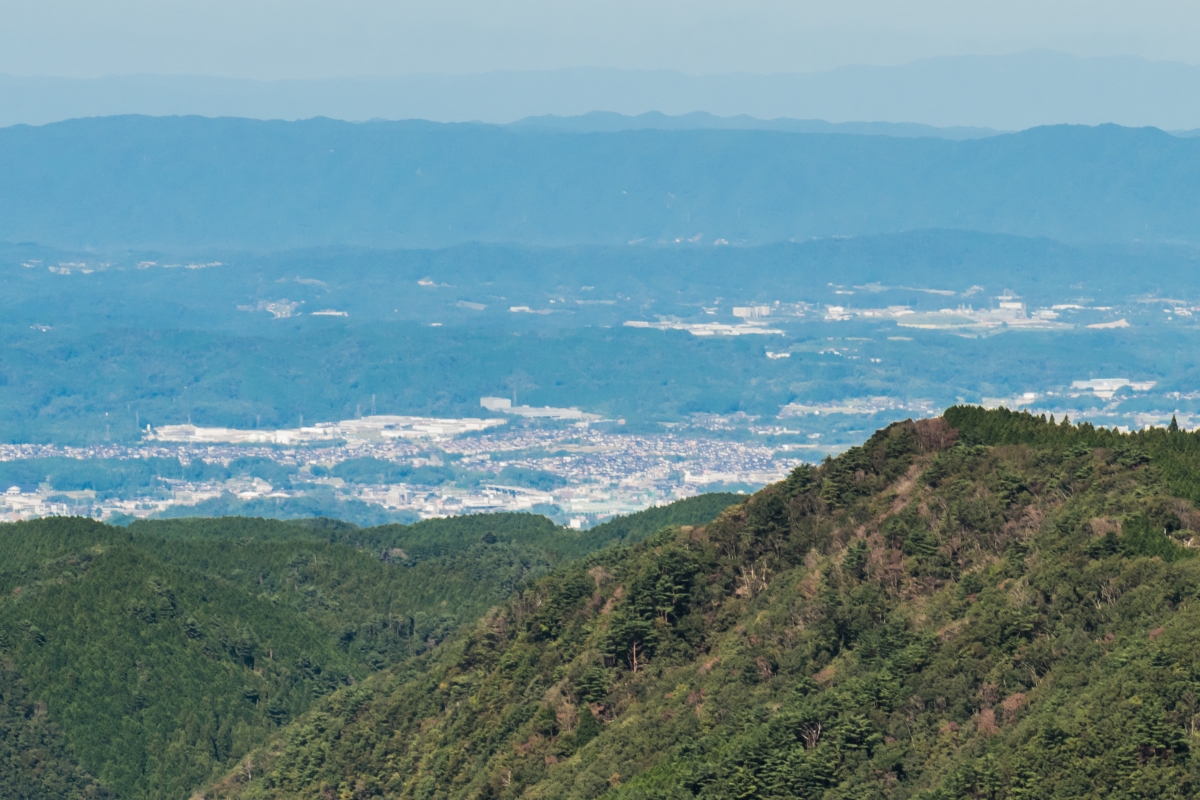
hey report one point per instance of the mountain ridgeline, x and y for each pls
(1008, 92)
(142, 662)
(193, 182)
(983, 605)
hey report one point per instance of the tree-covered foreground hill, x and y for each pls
(142, 662)
(984, 605)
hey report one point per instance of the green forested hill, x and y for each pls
(156, 675)
(987, 605)
(142, 662)
(35, 762)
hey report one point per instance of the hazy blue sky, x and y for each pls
(320, 38)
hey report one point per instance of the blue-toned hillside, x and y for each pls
(173, 181)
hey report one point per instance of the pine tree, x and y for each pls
(588, 728)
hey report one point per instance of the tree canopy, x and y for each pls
(984, 605)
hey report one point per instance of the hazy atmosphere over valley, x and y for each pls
(626, 400)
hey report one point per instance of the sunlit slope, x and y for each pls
(987, 605)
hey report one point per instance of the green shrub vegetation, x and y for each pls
(985, 605)
(141, 662)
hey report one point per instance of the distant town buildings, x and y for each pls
(1009, 312)
(371, 428)
(601, 472)
(279, 309)
(707, 328)
(503, 405)
(1105, 388)
(867, 406)
(1024, 399)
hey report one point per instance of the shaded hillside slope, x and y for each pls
(1005, 608)
(156, 675)
(156, 656)
(35, 761)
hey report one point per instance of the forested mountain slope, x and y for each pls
(113, 182)
(982, 605)
(143, 662)
(35, 761)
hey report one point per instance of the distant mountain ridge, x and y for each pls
(196, 182)
(1008, 92)
(611, 122)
